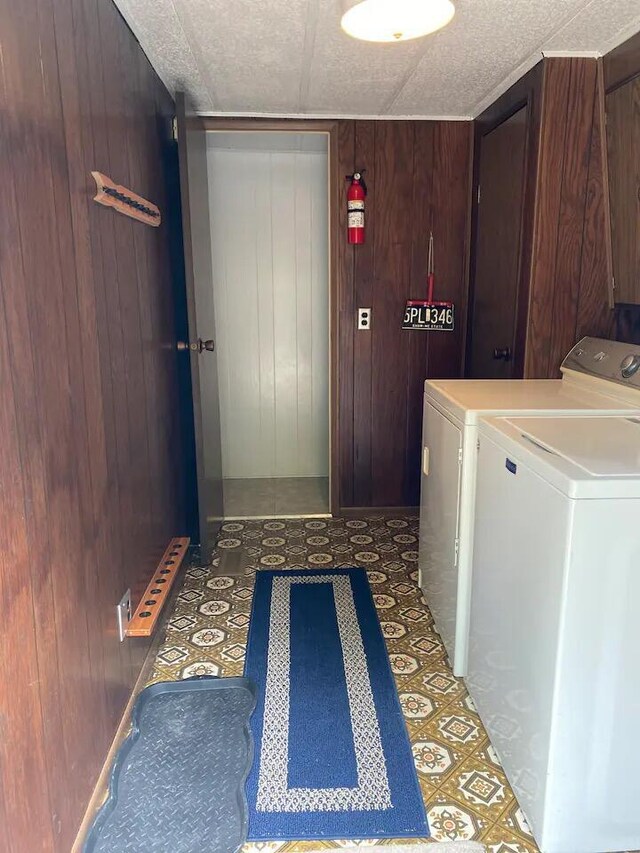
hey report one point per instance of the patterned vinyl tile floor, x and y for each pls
(465, 791)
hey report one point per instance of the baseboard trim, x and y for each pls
(276, 517)
(360, 511)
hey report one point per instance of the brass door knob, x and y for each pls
(196, 346)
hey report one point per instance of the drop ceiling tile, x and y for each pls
(160, 33)
(354, 77)
(253, 51)
(597, 27)
(468, 59)
(290, 57)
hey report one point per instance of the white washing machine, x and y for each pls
(451, 412)
(554, 644)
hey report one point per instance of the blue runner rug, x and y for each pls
(332, 756)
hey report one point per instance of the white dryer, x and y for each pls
(554, 662)
(592, 383)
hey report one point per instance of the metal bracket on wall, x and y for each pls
(125, 201)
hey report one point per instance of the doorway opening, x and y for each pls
(269, 219)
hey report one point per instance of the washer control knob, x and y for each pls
(630, 365)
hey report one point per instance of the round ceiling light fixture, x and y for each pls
(395, 20)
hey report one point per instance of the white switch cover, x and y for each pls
(425, 461)
(364, 318)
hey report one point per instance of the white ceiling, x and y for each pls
(290, 57)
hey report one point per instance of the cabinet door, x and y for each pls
(497, 249)
(439, 514)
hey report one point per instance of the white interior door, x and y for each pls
(269, 215)
(439, 514)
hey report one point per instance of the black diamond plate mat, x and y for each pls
(178, 780)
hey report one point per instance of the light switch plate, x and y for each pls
(364, 318)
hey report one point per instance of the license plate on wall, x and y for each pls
(429, 316)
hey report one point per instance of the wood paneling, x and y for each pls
(623, 146)
(384, 425)
(417, 347)
(569, 221)
(622, 63)
(595, 294)
(418, 177)
(91, 485)
(622, 69)
(450, 222)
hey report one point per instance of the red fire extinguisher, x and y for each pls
(355, 207)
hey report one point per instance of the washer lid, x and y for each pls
(582, 456)
(468, 399)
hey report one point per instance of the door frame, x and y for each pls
(330, 127)
(527, 92)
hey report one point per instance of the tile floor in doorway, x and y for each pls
(465, 791)
(277, 496)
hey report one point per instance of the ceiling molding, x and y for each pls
(568, 54)
(333, 116)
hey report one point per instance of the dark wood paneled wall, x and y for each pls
(622, 70)
(571, 264)
(418, 177)
(623, 146)
(90, 485)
